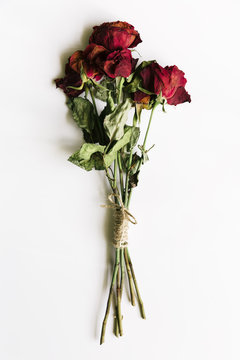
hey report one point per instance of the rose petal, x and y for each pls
(70, 79)
(180, 96)
(119, 63)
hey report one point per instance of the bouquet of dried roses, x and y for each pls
(106, 71)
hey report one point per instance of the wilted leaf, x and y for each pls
(102, 94)
(133, 180)
(115, 121)
(83, 113)
(136, 159)
(134, 138)
(89, 156)
(133, 85)
(112, 154)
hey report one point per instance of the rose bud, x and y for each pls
(71, 78)
(119, 63)
(116, 35)
(169, 80)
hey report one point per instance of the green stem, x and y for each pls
(144, 148)
(119, 313)
(130, 280)
(99, 125)
(142, 311)
(120, 86)
(122, 270)
(93, 99)
(99, 85)
(116, 328)
(149, 123)
(115, 174)
(120, 173)
(110, 180)
(110, 297)
(129, 165)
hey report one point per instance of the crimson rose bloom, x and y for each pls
(116, 35)
(89, 59)
(72, 78)
(119, 63)
(169, 80)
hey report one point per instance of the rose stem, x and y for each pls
(136, 287)
(116, 329)
(120, 173)
(149, 123)
(97, 117)
(129, 164)
(119, 314)
(118, 284)
(110, 297)
(122, 270)
(120, 86)
(130, 280)
(128, 261)
(143, 147)
(115, 174)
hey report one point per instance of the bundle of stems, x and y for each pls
(123, 266)
(107, 71)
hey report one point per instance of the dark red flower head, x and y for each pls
(119, 63)
(89, 59)
(71, 78)
(116, 35)
(169, 80)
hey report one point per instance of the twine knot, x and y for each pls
(122, 217)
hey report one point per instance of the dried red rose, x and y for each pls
(71, 78)
(89, 59)
(116, 35)
(169, 80)
(119, 63)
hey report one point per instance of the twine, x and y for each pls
(122, 217)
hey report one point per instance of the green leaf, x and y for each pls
(108, 109)
(129, 79)
(115, 121)
(145, 153)
(144, 64)
(134, 138)
(136, 80)
(83, 113)
(134, 84)
(136, 159)
(89, 156)
(145, 91)
(102, 89)
(112, 154)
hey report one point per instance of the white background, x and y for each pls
(54, 256)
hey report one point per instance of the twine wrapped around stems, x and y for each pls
(122, 217)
